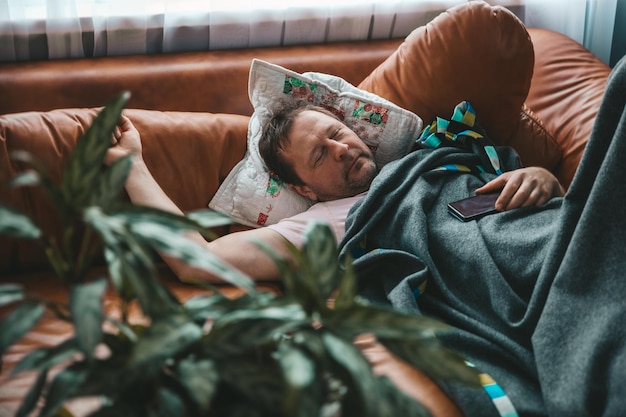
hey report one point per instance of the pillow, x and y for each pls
(250, 194)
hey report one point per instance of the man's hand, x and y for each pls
(524, 187)
(125, 141)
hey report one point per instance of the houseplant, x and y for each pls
(288, 354)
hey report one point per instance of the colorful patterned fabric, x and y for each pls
(462, 131)
(500, 400)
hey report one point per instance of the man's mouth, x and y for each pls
(355, 165)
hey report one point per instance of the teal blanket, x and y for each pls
(535, 295)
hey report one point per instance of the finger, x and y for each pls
(493, 185)
(524, 196)
(505, 200)
(116, 136)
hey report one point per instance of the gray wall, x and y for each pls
(618, 47)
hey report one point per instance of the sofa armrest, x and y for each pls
(565, 93)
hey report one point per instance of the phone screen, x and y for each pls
(475, 207)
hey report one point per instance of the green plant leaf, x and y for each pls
(87, 315)
(203, 307)
(145, 214)
(298, 368)
(154, 298)
(85, 163)
(38, 176)
(347, 287)
(165, 240)
(10, 293)
(394, 402)
(110, 183)
(47, 357)
(434, 359)
(110, 378)
(283, 310)
(64, 386)
(300, 373)
(26, 179)
(131, 267)
(254, 379)
(209, 218)
(382, 321)
(16, 224)
(125, 332)
(361, 381)
(200, 378)
(20, 321)
(238, 338)
(117, 410)
(34, 392)
(321, 269)
(168, 404)
(164, 339)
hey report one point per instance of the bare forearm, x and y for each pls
(143, 190)
(237, 249)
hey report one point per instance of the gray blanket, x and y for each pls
(537, 295)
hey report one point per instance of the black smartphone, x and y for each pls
(473, 208)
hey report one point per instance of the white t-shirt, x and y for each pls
(333, 213)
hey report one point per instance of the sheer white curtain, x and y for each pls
(35, 29)
(50, 29)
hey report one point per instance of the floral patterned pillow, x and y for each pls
(255, 197)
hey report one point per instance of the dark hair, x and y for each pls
(275, 138)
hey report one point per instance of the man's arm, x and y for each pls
(236, 249)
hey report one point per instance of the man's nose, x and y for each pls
(341, 150)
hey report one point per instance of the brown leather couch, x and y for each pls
(535, 90)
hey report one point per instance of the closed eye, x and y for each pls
(320, 156)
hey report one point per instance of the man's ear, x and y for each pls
(304, 191)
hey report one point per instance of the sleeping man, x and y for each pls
(535, 291)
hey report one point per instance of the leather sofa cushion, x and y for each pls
(473, 52)
(566, 91)
(188, 153)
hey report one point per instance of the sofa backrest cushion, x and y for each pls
(189, 154)
(474, 52)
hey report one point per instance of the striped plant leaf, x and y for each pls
(109, 185)
(87, 315)
(85, 163)
(209, 218)
(321, 268)
(200, 378)
(300, 374)
(39, 175)
(10, 293)
(63, 387)
(47, 357)
(32, 396)
(167, 240)
(131, 265)
(361, 381)
(164, 339)
(20, 321)
(383, 321)
(16, 224)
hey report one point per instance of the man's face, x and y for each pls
(329, 157)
